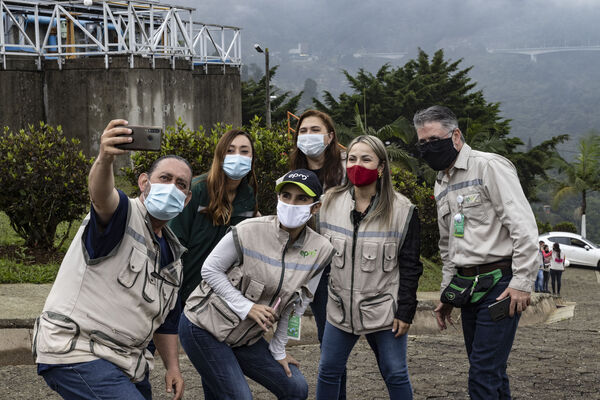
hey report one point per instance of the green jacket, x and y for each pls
(195, 229)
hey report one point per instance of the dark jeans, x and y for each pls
(319, 310)
(222, 368)
(93, 380)
(556, 278)
(546, 279)
(390, 353)
(488, 346)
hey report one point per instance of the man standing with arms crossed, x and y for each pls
(117, 285)
(488, 234)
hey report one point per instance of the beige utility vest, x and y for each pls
(110, 307)
(268, 268)
(364, 278)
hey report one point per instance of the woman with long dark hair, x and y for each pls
(557, 266)
(223, 197)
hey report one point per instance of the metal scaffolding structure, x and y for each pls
(62, 30)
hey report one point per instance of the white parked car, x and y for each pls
(578, 250)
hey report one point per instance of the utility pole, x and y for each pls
(267, 84)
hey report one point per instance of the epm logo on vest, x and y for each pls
(306, 253)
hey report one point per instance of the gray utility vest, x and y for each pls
(110, 307)
(267, 269)
(364, 278)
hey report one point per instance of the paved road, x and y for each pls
(549, 361)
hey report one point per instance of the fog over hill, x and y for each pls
(559, 93)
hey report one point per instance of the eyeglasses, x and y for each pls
(434, 139)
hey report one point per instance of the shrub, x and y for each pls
(43, 176)
(197, 147)
(565, 226)
(406, 183)
(272, 148)
(543, 227)
(271, 155)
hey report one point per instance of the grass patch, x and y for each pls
(15, 272)
(432, 276)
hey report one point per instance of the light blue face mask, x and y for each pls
(237, 166)
(311, 144)
(164, 201)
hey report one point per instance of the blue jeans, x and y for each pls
(98, 379)
(539, 282)
(488, 346)
(319, 310)
(389, 351)
(222, 368)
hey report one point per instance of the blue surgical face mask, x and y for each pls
(237, 166)
(164, 201)
(311, 144)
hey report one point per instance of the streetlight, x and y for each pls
(267, 82)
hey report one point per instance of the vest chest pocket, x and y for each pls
(254, 290)
(339, 246)
(390, 256)
(368, 258)
(137, 263)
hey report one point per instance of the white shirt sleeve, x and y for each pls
(220, 259)
(280, 339)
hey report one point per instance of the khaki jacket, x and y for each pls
(267, 268)
(498, 221)
(110, 307)
(364, 278)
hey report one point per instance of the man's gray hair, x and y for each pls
(440, 114)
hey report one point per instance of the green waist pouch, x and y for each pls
(464, 290)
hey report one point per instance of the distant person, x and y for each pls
(117, 285)
(264, 271)
(222, 197)
(374, 273)
(557, 266)
(547, 255)
(487, 235)
(539, 282)
(316, 148)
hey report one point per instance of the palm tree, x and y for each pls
(399, 131)
(582, 175)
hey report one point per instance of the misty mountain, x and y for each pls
(315, 40)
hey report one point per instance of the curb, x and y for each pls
(16, 333)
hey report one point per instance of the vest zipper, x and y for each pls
(352, 276)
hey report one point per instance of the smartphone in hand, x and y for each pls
(144, 138)
(500, 309)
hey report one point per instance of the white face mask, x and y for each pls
(292, 216)
(311, 144)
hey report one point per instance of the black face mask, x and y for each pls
(439, 154)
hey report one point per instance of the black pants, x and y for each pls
(546, 279)
(555, 275)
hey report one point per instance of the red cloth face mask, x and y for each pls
(361, 176)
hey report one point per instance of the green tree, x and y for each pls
(393, 95)
(44, 180)
(253, 100)
(582, 175)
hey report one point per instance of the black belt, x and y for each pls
(503, 265)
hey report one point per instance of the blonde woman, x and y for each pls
(375, 270)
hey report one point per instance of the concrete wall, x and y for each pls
(84, 96)
(21, 95)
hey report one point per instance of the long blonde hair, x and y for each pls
(384, 207)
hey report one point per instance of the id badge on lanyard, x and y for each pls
(294, 326)
(459, 219)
